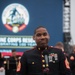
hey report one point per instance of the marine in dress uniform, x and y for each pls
(13, 62)
(1, 62)
(72, 62)
(42, 59)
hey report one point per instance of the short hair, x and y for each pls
(73, 47)
(60, 44)
(38, 28)
(13, 50)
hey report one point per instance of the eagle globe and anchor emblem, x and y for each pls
(15, 17)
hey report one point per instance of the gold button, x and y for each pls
(43, 60)
(32, 62)
(43, 65)
(46, 65)
(42, 56)
(5, 62)
(38, 48)
(46, 48)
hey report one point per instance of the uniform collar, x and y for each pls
(42, 48)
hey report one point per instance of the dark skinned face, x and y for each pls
(41, 37)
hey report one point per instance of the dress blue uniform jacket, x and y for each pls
(33, 62)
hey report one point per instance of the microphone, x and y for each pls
(45, 53)
(46, 70)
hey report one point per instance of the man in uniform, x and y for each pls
(13, 61)
(43, 59)
(72, 61)
(60, 45)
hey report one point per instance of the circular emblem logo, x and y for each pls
(15, 17)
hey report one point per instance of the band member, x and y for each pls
(72, 61)
(13, 62)
(1, 63)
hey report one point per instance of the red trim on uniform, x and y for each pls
(18, 67)
(67, 64)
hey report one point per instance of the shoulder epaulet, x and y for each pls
(51, 46)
